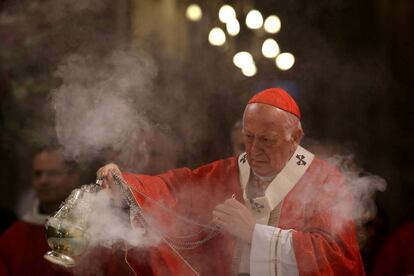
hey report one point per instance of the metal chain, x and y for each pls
(177, 242)
(173, 213)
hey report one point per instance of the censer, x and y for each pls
(66, 230)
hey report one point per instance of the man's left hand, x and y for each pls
(235, 218)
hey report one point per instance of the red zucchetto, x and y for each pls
(277, 97)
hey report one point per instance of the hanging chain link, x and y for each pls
(186, 242)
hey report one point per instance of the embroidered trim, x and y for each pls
(276, 249)
(275, 215)
(281, 185)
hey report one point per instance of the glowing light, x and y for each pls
(249, 71)
(285, 61)
(194, 12)
(217, 37)
(270, 48)
(233, 27)
(243, 59)
(272, 24)
(254, 19)
(227, 13)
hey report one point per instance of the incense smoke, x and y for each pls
(109, 233)
(110, 226)
(362, 186)
(98, 104)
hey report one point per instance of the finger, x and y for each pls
(215, 222)
(227, 205)
(225, 209)
(223, 217)
(104, 184)
(221, 224)
(237, 206)
(115, 171)
(233, 203)
(101, 172)
(109, 175)
(107, 172)
(230, 207)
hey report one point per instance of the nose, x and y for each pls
(44, 177)
(40, 177)
(256, 146)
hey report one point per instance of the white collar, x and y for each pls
(280, 186)
(33, 216)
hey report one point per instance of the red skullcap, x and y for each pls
(277, 97)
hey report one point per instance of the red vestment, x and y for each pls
(21, 251)
(23, 245)
(318, 208)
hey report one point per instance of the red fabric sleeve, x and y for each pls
(324, 240)
(192, 194)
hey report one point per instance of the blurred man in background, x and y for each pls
(23, 245)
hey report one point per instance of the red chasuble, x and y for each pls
(318, 208)
(21, 251)
(23, 245)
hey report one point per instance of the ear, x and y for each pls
(297, 135)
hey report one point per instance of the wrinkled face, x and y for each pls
(51, 179)
(268, 143)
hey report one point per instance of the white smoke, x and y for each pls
(359, 186)
(97, 106)
(362, 186)
(109, 233)
(110, 225)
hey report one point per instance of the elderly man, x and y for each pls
(278, 209)
(22, 246)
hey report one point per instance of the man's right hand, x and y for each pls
(105, 174)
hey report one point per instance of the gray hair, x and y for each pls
(292, 123)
